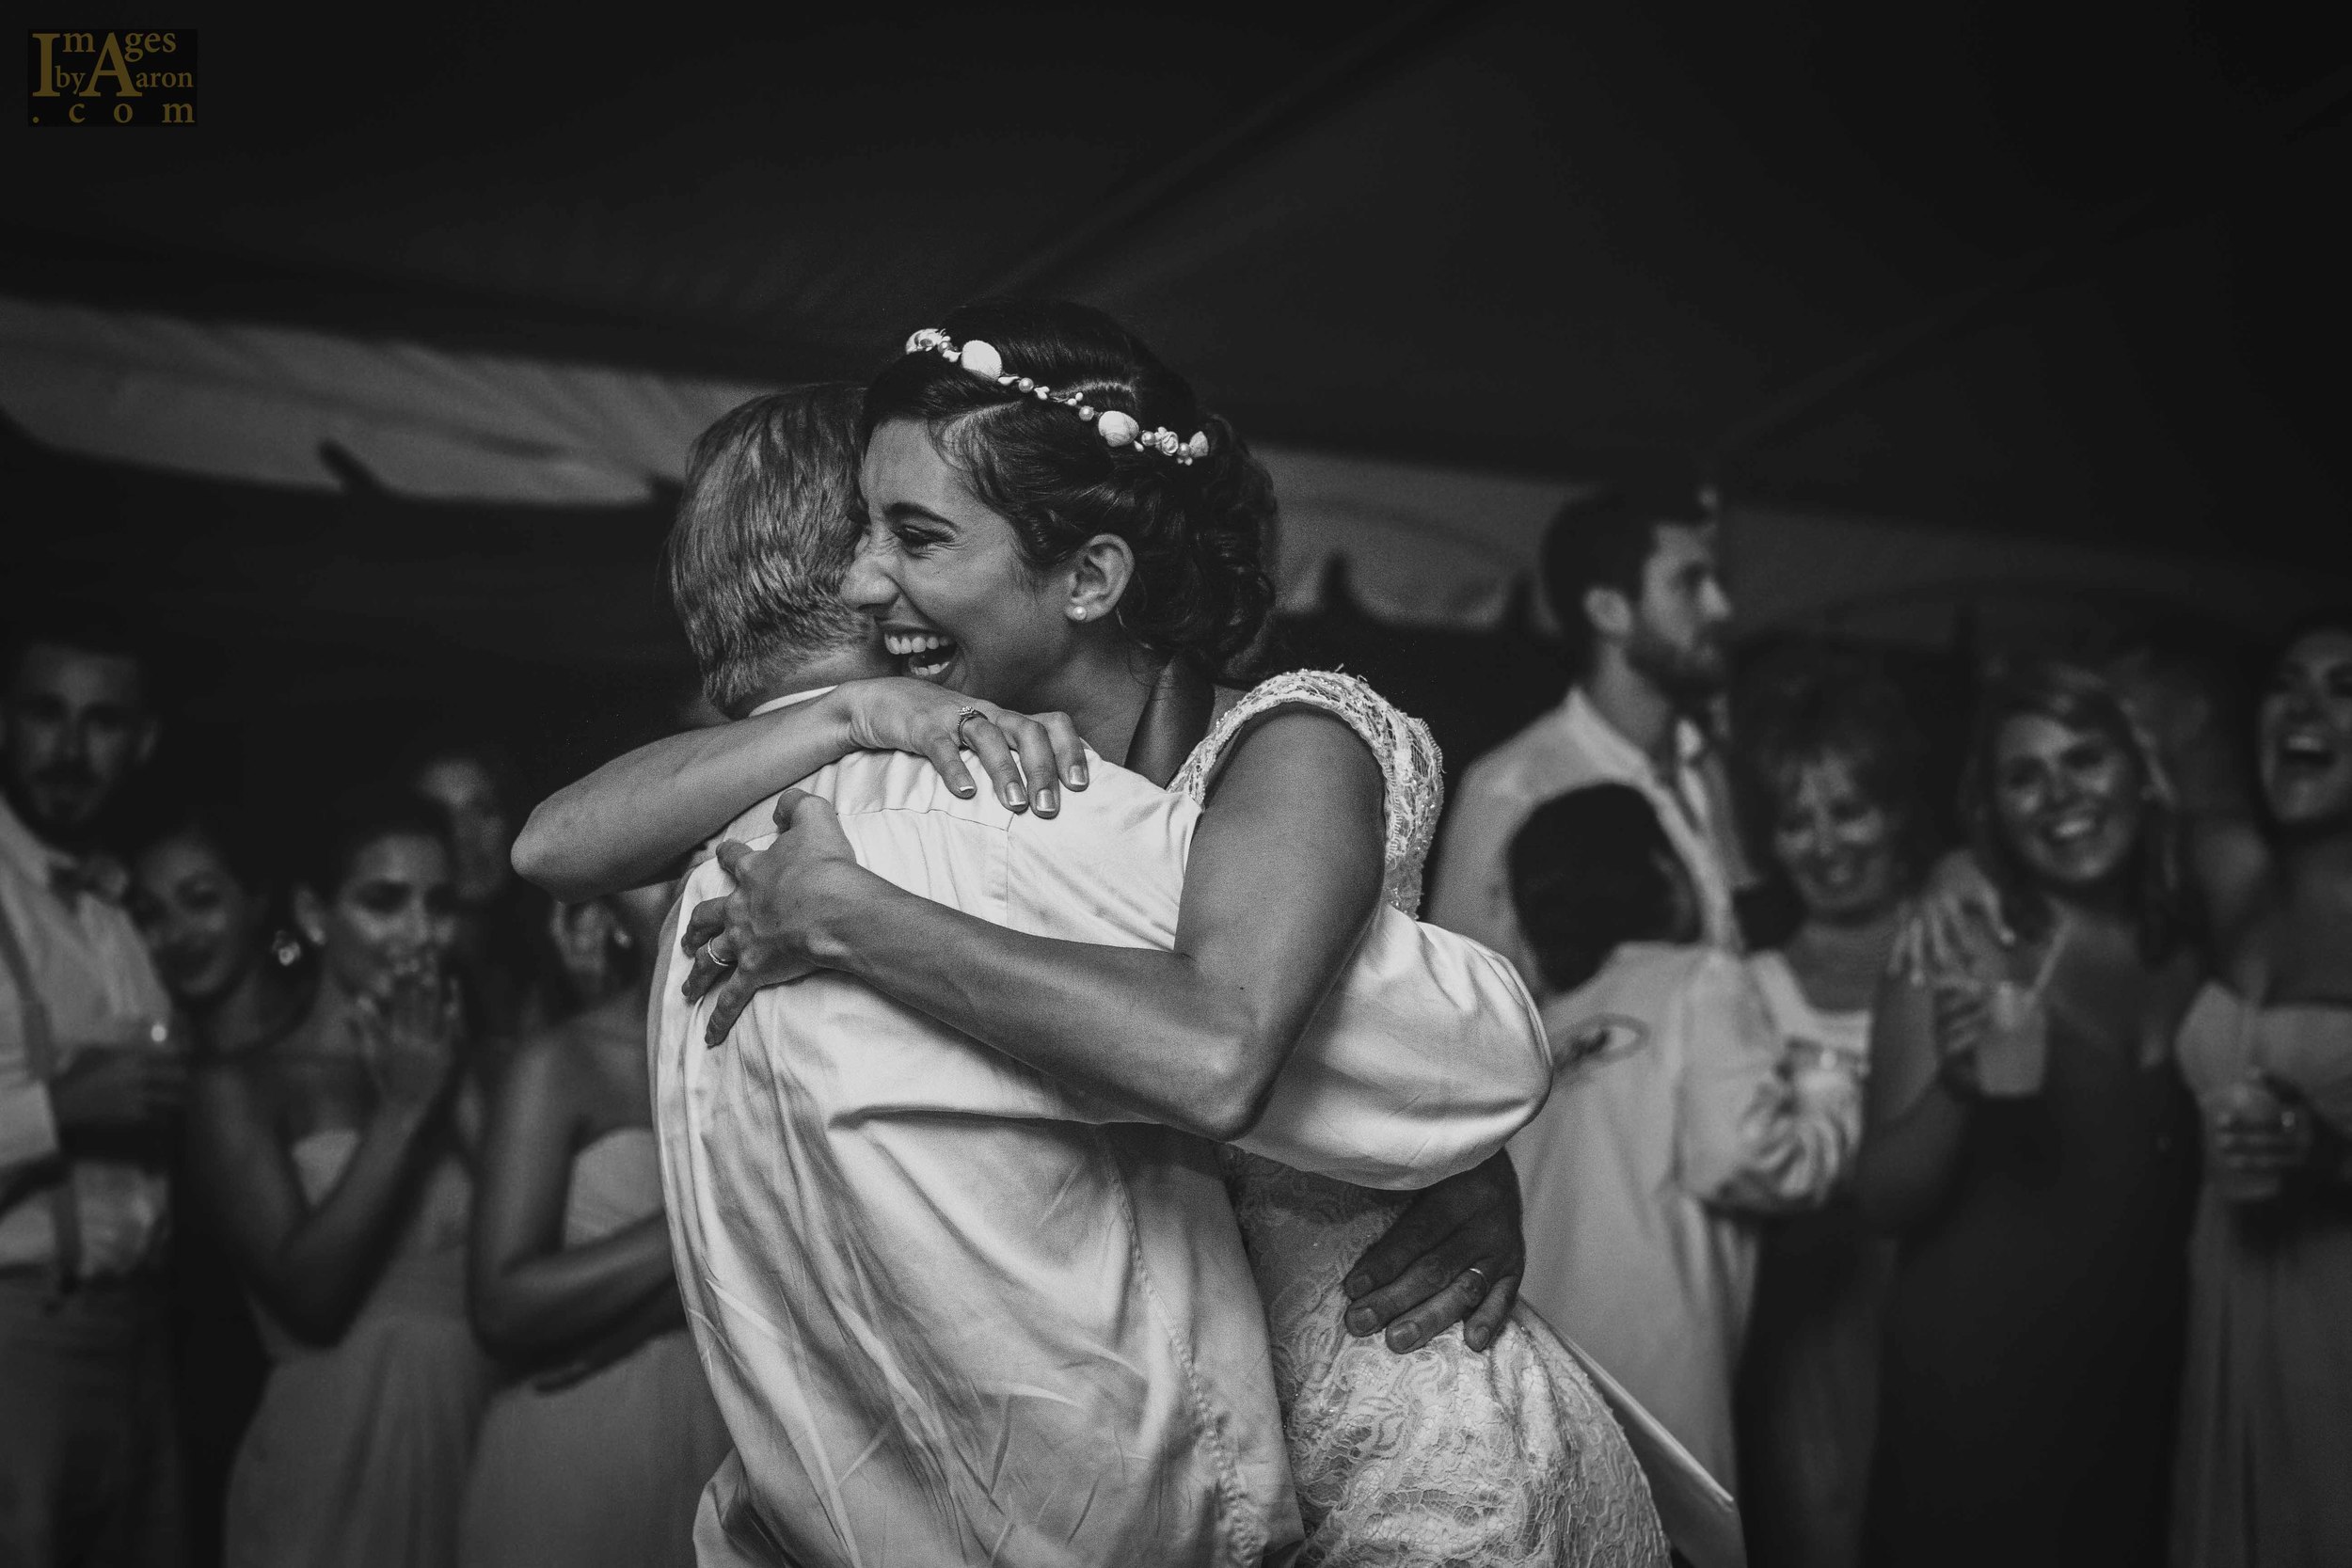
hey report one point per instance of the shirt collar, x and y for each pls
(788, 699)
(31, 854)
(1593, 730)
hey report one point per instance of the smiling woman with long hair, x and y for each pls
(2266, 1417)
(210, 900)
(2029, 1143)
(212, 904)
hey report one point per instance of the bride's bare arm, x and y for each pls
(628, 823)
(1283, 876)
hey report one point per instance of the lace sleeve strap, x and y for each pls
(1410, 763)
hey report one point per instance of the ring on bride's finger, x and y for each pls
(710, 951)
(965, 716)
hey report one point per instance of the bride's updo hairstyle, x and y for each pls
(1199, 522)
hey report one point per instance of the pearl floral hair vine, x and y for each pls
(1116, 429)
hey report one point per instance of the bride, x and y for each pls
(1054, 525)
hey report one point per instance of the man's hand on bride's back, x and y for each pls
(1027, 756)
(1454, 1256)
(770, 929)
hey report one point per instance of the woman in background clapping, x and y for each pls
(333, 1160)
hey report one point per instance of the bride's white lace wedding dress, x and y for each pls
(1442, 1455)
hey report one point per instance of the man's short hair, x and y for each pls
(81, 629)
(1604, 539)
(765, 532)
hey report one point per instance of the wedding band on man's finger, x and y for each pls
(1483, 1283)
(710, 951)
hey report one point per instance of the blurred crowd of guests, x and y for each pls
(1954, 1195)
(1955, 1160)
(330, 1226)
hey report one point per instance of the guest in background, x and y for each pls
(501, 953)
(2185, 684)
(2266, 1417)
(333, 1160)
(588, 955)
(1674, 1119)
(572, 1287)
(90, 1082)
(210, 903)
(1632, 575)
(2029, 1141)
(1834, 760)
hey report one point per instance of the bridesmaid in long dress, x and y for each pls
(208, 899)
(332, 1161)
(2267, 1417)
(1835, 761)
(598, 1457)
(2034, 1333)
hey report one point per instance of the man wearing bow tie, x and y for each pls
(89, 1094)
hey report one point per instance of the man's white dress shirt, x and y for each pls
(92, 976)
(1567, 748)
(955, 1314)
(1672, 1122)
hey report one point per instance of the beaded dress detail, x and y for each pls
(1442, 1455)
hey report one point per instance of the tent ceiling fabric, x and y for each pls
(263, 404)
(233, 401)
(435, 445)
(1516, 237)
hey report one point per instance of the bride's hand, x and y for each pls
(769, 929)
(1024, 755)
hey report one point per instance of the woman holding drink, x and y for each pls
(1834, 759)
(2029, 1141)
(2266, 1410)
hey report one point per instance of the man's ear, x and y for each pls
(151, 731)
(1099, 576)
(1610, 612)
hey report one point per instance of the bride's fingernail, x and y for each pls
(1078, 776)
(1361, 1320)
(1014, 797)
(1047, 803)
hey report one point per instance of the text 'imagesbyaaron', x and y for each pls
(111, 76)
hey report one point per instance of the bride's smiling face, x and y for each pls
(944, 577)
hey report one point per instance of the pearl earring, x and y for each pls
(1077, 612)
